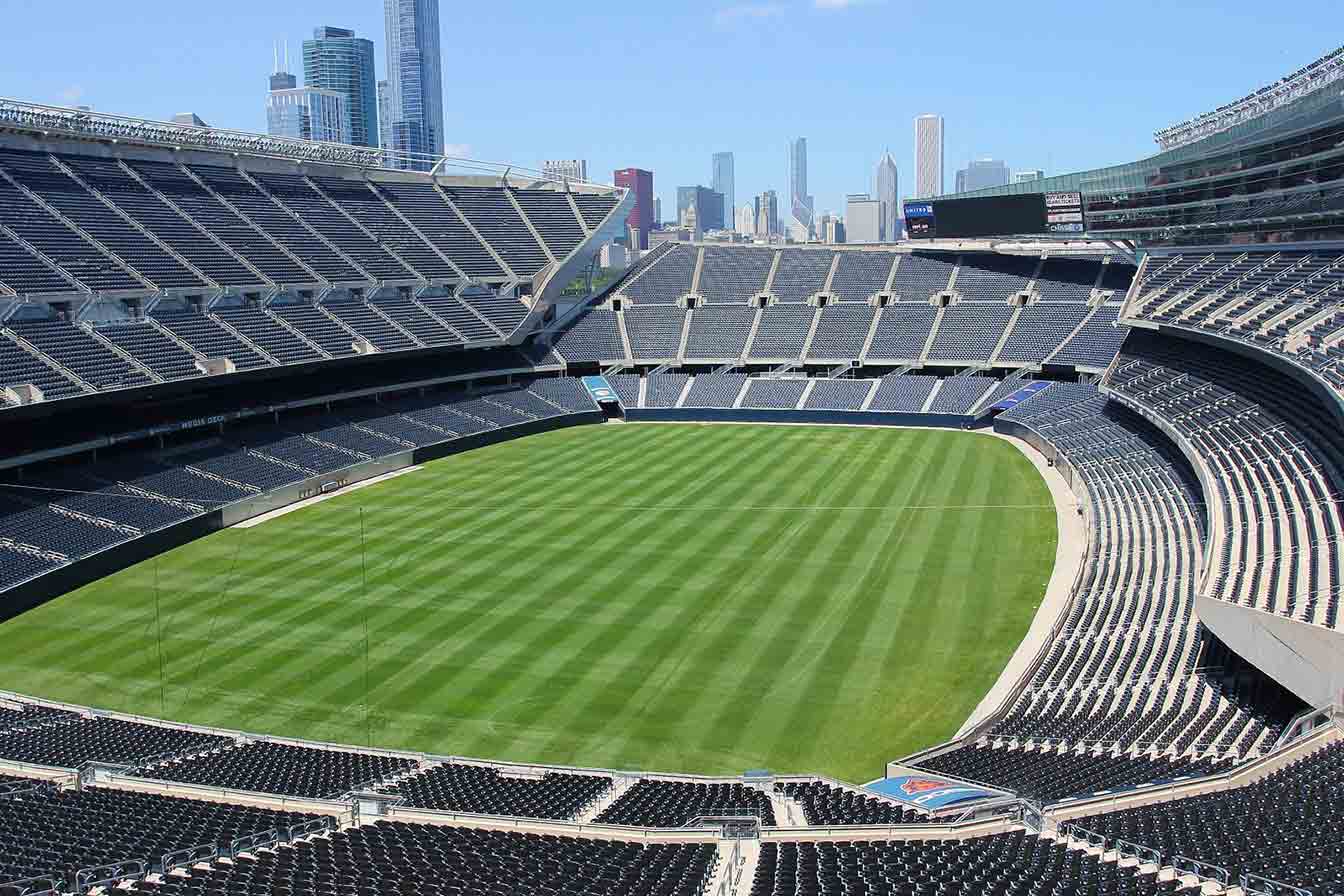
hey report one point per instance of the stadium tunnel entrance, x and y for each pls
(607, 398)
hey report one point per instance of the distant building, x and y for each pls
(722, 181)
(305, 113)
(614, 257)
(746, 220)
(640, 221)
(670, 235)
(928, 156)
(385, 115)
(982, 173)
(767, 214)
(338, 61)
(835, 231)
(707, 204)
(189, 119)
(657, 212)
(414, 77)
(800, 201)
(863, 218)
(1028, 175)
(566, 169)
(886, 191)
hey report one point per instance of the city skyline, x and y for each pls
(848, 121)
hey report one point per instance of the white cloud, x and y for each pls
(731, 15)
(458, 150)
(71, 95)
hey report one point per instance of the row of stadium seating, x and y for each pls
(111, 223)
(896, 393)
(1012, 864)
(48, 830)
(737, 275)
(1287, 302)
(53, 517)
(1285, 827)
(1072, 334)
(418, 860)
(65, 359)
(1119, 698)
(826, 805)
(1275, 460)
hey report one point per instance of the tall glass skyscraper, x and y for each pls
(414, 76)
(800, 203)
(722, 182)
(928, 156)
(885, 184)
(338, 61)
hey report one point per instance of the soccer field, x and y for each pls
(661, 597)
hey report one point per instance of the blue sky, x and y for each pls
(662, 85)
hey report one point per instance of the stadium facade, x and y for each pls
(221, 324)
(1264, 169)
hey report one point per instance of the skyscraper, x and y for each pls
(414, 76)
(385, 117)
(928, 156)
(338, 61)
(746, 219)
(305, 113)
(640, 221)
(565, 169)
(981, 173)
(767, 214)
(863, 218)
(800, 203)
(885, 187)
(708, 205)
(721, 182)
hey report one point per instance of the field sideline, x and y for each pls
(663, 597)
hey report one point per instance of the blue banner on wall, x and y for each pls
(1021, 395)
(928, 792)
(600, 389)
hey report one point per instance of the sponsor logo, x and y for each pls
(915, 786)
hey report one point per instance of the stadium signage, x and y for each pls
(929, 792)
(1064, 213)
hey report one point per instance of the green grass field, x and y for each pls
(662, 597)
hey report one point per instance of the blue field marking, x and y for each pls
(929, 792)
(1021, 395)
(600, 389)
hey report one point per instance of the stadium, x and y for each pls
(346, 548)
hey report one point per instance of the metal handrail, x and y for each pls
(1260, 885)
(85, 123)
(1205, 870)
(126, 869)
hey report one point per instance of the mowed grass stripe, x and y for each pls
(679, 597)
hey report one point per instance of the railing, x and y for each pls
(42, 885)
(1202, 870)
(100, 875)
(1124, 849)
(206, 852)
(84, 123)
(1262, 886)
(255, 841)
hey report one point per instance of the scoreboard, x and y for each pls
(1013, 215)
